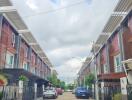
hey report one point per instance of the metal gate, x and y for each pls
(9, 93)
(110, 91)
(28, 93)
(39, 91)
(129, 91)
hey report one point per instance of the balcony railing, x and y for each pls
(118, 69)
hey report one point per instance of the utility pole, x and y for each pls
(95, 73)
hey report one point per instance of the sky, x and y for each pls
(65, 29)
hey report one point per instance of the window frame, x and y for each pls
(105, 67)
(8, 57)
(13, 39)
(117, 67)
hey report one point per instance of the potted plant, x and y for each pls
(23, 78)
(117, 96)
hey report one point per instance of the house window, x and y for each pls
(36, 60)
(35, 71)
(13, 39)
(117, 63)
(25, 66)
(26, 51)
(9, 60)
(105, 68)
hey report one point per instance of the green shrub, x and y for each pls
(1, 95)
(117, 96)
(23, 78)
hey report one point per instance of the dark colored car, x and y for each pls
(82, 92)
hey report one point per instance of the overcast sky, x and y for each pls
(65, 29)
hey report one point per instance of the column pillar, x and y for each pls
(17, 56)
(20, 90)
(102, 90)
(43, 86)
(35, 91)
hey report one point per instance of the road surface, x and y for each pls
(68, 96)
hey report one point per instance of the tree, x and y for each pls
(53, 79)
(62, 85)
(56, 82)
(70, 86)
(89, 79)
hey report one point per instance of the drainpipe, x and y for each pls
(1, 19)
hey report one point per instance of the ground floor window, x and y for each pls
(9, 60)
(106, 70)
(25, 66)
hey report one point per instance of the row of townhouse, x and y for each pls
(20, 54)
(112, 54)
(16, 53)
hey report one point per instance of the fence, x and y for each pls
(12, 93)
(110, 91)
(9, 92)
(28, 93)
(129, 91)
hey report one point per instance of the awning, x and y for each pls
(15, 18)
(111, 76)
(14, 74)
(123, 6)
(112, 23)
(11, 14)
(5, 3)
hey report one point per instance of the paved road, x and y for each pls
(67, 96)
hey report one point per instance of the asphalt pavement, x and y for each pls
(66, 96)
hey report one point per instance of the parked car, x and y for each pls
(63, 90)
(82, 92)
(59, 91)
(50, 93)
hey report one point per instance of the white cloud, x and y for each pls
(31, 4)
(69, 69)
(66, 33)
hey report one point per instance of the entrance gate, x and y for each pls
(28, 93)
(129, 92)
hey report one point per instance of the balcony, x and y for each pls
(118, 69)
(111, 76)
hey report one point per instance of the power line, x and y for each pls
(55, 10)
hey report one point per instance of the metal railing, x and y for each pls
(118, 69)
(129, 92)
(9, 92)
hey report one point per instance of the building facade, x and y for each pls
(113, 49)
(16, 53)
(21, 56)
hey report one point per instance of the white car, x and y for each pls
(50, 93)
